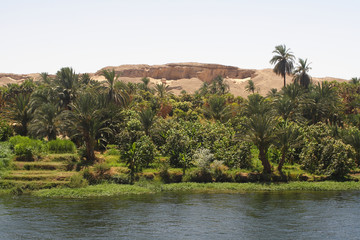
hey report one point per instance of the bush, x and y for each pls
(6, 131)
(27, 149)
(330, 157)
(203, 158)
(121, 178)
(77, 181)
(219, 172)
(198, 175)
(61, 146)
(5, 156)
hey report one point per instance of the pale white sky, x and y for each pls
(45, 35)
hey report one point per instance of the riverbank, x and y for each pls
(105, 190)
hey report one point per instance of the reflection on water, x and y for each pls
(294, 215)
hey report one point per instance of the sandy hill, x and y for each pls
(187, 76)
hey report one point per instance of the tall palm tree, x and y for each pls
(86, 120)
(261, 132)
(283, 60)
(301, 75)
(111, 79)
(67, 83)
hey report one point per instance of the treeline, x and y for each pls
(315, 126)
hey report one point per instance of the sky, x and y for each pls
(46, 35)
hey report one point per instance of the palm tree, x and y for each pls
(287, 136)
(45, 78)
(250, 87)
(147, 118)
(260, 131)
(272, 93)
(86, 120)
(257, 104)
(301, 75)
(217, 108)
(21, 112)
(204, 89)
(355, 80)
(285, 107)
(111, 79)
(161, 89)
(219, 86)
(67, 83)
(45, 122)
(145, 84)
(283, 60)
(321, 103)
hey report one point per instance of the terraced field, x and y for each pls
(50, 172)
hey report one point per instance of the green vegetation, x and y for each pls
(72, 132)
(116, 189)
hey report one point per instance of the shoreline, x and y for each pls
(113, 190)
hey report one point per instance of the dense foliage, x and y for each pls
(206, 134)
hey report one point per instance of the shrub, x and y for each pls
(27, 149)
(6, 131)
(233, 154)
(121, 178)
(203, 158)
(77, 181)
(198, 175)
(219, 172)
(61, 146)
(329, 156)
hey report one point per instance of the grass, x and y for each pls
(156, 187)
(101, 190)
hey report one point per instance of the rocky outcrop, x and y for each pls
(176, 71)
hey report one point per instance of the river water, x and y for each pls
(290, 215)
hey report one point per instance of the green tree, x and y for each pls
(161, 89)
(67, 84)
(355, 80)
(111, 78)
(86, 120)
(250, 87)
(147, 118)
(219, 86)
(45, 122)
(301, 75)
(283, 60)
(261, 132)
(21, 112)
(260, 127)
(288, 135)
(217, 109)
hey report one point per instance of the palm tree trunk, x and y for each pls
(264, 161)
(284, 79)
(282, 161)
(90, 149)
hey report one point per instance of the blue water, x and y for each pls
(311, 215)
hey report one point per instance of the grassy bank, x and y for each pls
(144, 187)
